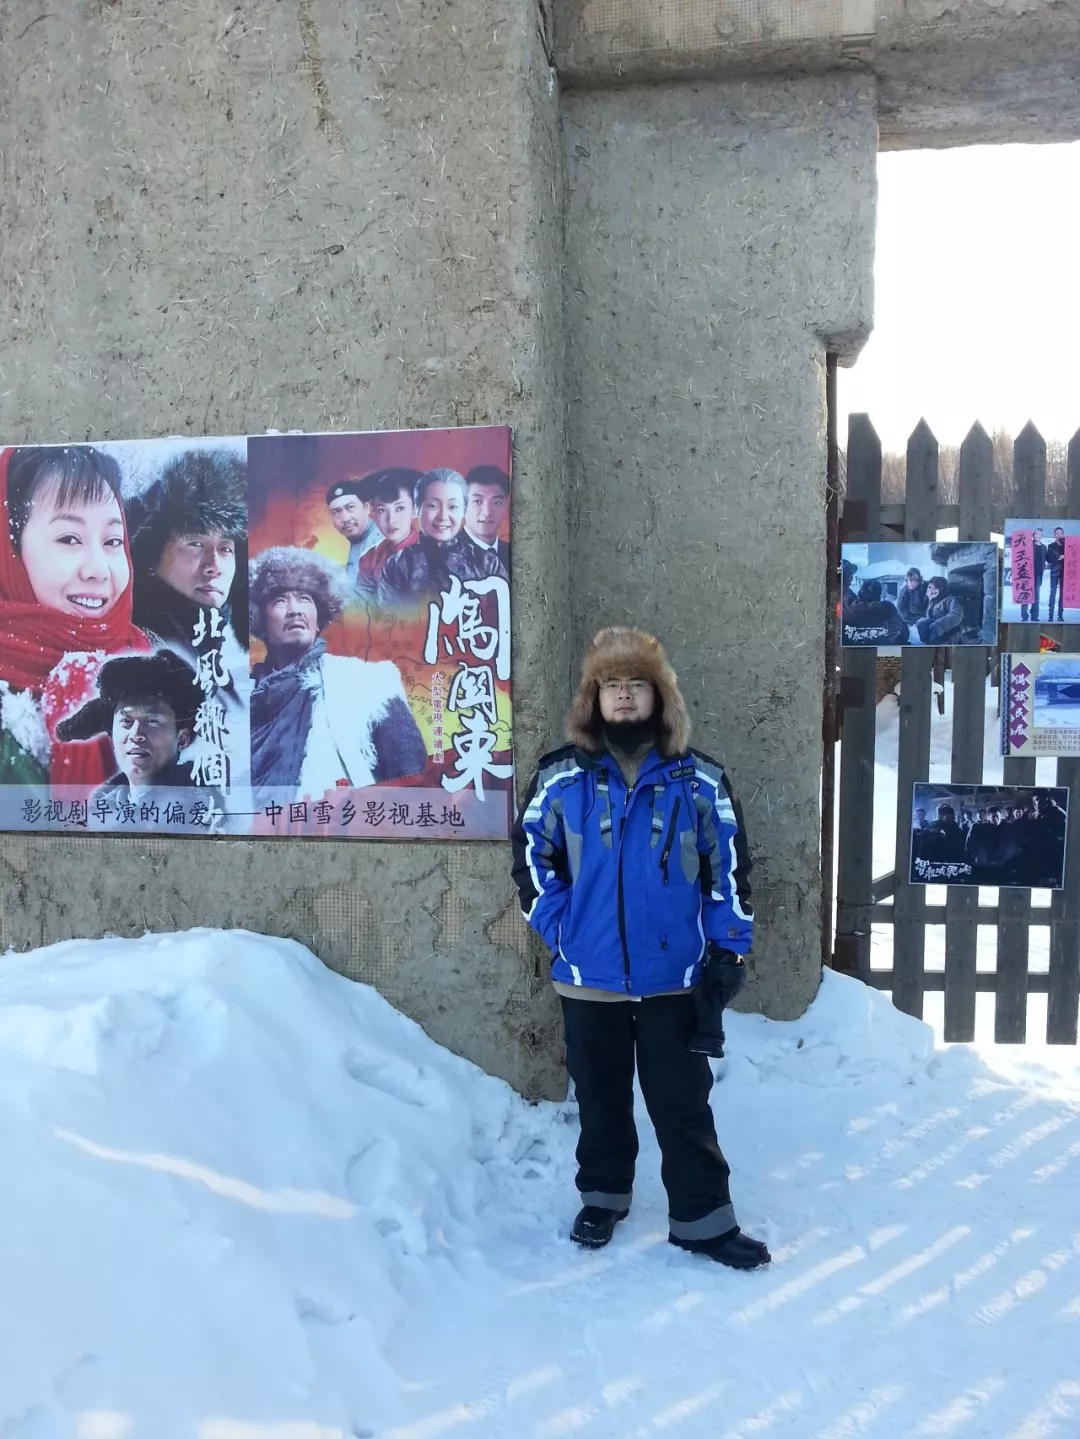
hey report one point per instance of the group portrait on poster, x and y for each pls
(279, 634)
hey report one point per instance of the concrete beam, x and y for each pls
(978, 74)
(984, 71)
(719, 239)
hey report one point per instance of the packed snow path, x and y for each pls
(245, 1199)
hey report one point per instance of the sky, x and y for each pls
(977, 307)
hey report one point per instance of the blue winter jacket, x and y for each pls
(626, 886)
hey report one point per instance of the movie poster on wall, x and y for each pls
(396, 720)
(1040, 578)
(906, 593)
(1040, 705)
(282, 635)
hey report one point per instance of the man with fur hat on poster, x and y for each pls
(320, 720)
(146, 705)
(631, 863)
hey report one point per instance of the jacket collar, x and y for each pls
(651, 765)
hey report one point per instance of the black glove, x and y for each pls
(723, 973)
(709, 1037)
(722, 977)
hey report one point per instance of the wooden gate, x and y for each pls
(864, 899)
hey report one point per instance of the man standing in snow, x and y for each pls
(631, 863)
(1038, 555)
(1055, 563)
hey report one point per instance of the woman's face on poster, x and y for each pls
(199, 567)
(442, 510)
(74, 557)
(395, 517)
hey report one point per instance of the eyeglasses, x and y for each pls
(635, 687)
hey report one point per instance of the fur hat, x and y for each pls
(286, 567)
(162, 675)
(623, 653)
(201, 492)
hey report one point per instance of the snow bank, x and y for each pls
(222, 1162)
(244, 1198)
(849, 1033)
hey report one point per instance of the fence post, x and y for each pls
(1063, 999)
(1014, 905)
(858, 700)
(909, 903)
(969, 669)
(830, 732)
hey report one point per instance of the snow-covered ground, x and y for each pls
(245, 1199)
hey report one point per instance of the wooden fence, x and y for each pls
(863, 899)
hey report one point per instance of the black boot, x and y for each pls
(735, 1249)
(594, 1227)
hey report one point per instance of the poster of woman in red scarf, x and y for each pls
(117, 566)
(279, 635)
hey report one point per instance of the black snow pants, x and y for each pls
(602, 1040)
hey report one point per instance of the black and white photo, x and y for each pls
(1004, 835)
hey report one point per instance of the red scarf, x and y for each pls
(34, 638)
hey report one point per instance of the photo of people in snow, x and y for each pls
(1040, 581)
(1040, 705)
(1004, 835)
(161, 673)
(901, 594)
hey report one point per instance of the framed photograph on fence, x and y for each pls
(1004, 835)
(1040, 705)
(919, 594)
(1040, 577)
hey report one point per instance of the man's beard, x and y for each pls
(628, 735)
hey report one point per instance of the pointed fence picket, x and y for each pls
(861, 898)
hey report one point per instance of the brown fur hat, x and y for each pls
(623, 653)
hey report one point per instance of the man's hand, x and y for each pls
(725, 973)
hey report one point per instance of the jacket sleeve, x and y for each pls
(541, 867)
(399, 745)
(395, 590)
(945, 624)
(726, 911)
(898, 627)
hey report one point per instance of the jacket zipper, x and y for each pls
(670, 840)
(622, 926)
(622, 910)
